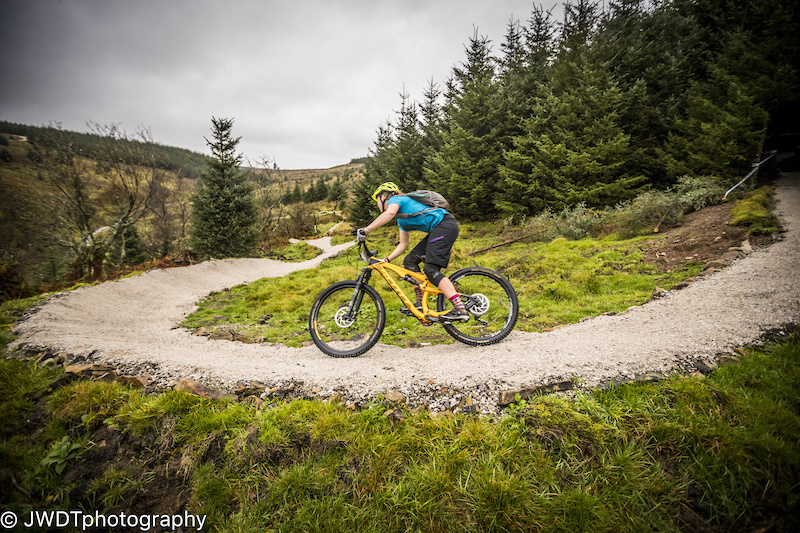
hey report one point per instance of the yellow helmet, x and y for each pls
(383, 187)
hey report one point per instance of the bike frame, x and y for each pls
(385, 269)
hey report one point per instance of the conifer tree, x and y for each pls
(720, 133)
(224, 214)
(572, 151)
(465, 169)
(376, 171)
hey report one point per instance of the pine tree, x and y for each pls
(224, 214)
(572, 151)
(720, 133)
(465, 169)
(376, 171)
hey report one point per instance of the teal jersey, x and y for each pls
(423, 222)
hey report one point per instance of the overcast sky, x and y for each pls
(308, 82)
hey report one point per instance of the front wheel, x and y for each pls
(491, 302)
(345, 320)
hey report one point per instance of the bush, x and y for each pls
(572, 224)
(697, 192)
(645, 214)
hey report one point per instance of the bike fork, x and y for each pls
(358, 294)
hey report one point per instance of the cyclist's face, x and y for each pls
(382, 202)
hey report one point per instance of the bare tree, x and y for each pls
(168, 222)
(269, 180)
(94, 203)
(74, 216)
(133, 171)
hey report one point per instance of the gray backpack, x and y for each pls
(432, 199)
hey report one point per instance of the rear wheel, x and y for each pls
(491, 302)
(345, 322)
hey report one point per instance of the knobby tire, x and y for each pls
(339, 335)
(491, 301)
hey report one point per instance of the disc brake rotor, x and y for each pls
(341, 318)
(478, 304)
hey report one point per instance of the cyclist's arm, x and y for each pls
(405, 238)
(383, 218)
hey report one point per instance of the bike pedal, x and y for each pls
(406, 311)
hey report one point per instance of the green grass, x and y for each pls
(10, 312)
(294, 252)
(715, 453)
(754, 211)
(558, 282)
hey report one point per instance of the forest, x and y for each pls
(617, 105)
(617, 98)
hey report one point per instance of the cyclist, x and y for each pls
(442, 231)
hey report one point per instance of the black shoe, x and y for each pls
(454, 315)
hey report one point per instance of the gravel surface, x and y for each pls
(132, 323)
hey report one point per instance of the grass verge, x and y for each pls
(716, 453)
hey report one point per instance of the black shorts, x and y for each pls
(436, 246)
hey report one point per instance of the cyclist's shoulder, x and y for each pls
(405, 202)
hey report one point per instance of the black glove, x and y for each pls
(361, 235)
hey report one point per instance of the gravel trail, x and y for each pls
(132, 322)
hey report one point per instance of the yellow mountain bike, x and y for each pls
(347, 318)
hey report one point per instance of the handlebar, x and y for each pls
(367, 255)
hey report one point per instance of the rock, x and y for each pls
(95, 371)
(717, 263)
(201, 332)
(78, 370)
(508, 397)
(252, 389)
(705, 366)
(394, 415)
(255, 401)
(107, 377)
(137, 382)
(659, 292)
(222, 334)
(335, 398)
(744, 248)
(728, 359)
(731, 256)
(395, 397)
(650, 377)
(190, 386)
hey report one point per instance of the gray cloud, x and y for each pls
(308, 81)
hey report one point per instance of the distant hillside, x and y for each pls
(190, 163)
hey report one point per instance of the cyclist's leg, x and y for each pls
(416, 256)
(437, 253)
(412, 261)
(439, 244)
